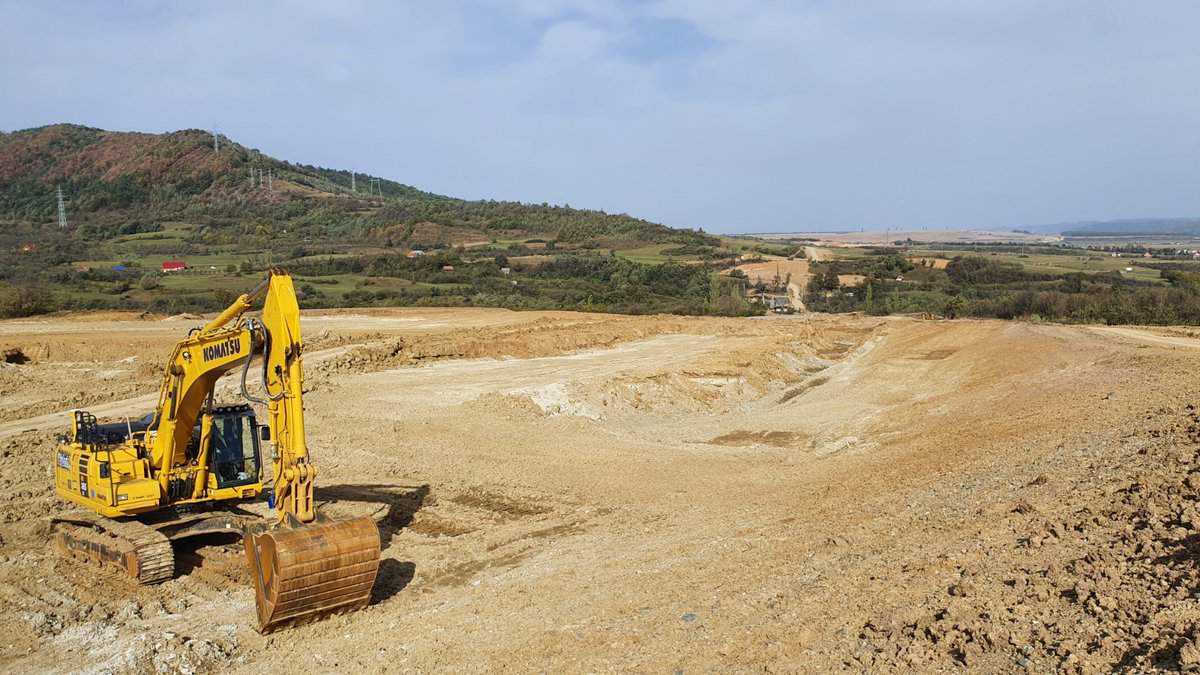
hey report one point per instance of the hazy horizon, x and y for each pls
(767, 117)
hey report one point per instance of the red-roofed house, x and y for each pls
(174, 266)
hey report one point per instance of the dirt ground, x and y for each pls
(794, 271)
(566, 492)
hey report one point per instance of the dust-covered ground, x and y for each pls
(573, 492)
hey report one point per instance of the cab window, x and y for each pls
(234, 451)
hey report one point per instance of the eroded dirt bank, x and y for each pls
(576, 492)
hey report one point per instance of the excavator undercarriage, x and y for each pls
(128, 546)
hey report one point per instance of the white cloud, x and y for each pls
(781, 114)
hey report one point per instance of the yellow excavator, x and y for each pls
(193, 467)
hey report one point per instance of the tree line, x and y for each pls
(974, 286)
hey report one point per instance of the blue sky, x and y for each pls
(731, 116)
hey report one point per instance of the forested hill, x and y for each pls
(170, 223)
(111, 179)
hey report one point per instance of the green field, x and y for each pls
(653, 254)
(743, 245)
(1085, 261)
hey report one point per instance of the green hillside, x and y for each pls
(135, 200)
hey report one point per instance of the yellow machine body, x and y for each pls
(115, 478)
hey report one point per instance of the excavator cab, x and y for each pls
(234, 447)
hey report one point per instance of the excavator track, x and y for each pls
(125, 546)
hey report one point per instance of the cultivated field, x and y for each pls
(568, 492)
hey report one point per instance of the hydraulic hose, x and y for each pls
(253, 325)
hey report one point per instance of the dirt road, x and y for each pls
(1151, 335)
(571, 492)
(818, 254)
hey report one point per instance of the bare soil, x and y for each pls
(570, 492)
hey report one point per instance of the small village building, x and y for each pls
(779, 305)
(174, 266)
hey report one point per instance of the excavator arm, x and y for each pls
(304, 567)
(283, 379)
(228, 342)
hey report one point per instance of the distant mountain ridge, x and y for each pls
(110, 176)
(1129, 226)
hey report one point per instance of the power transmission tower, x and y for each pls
(353, 184)
(376, 187)
(62, 211)
(216, 141)
(252, 177)
(271, 179)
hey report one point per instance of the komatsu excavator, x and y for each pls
(192, 467)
